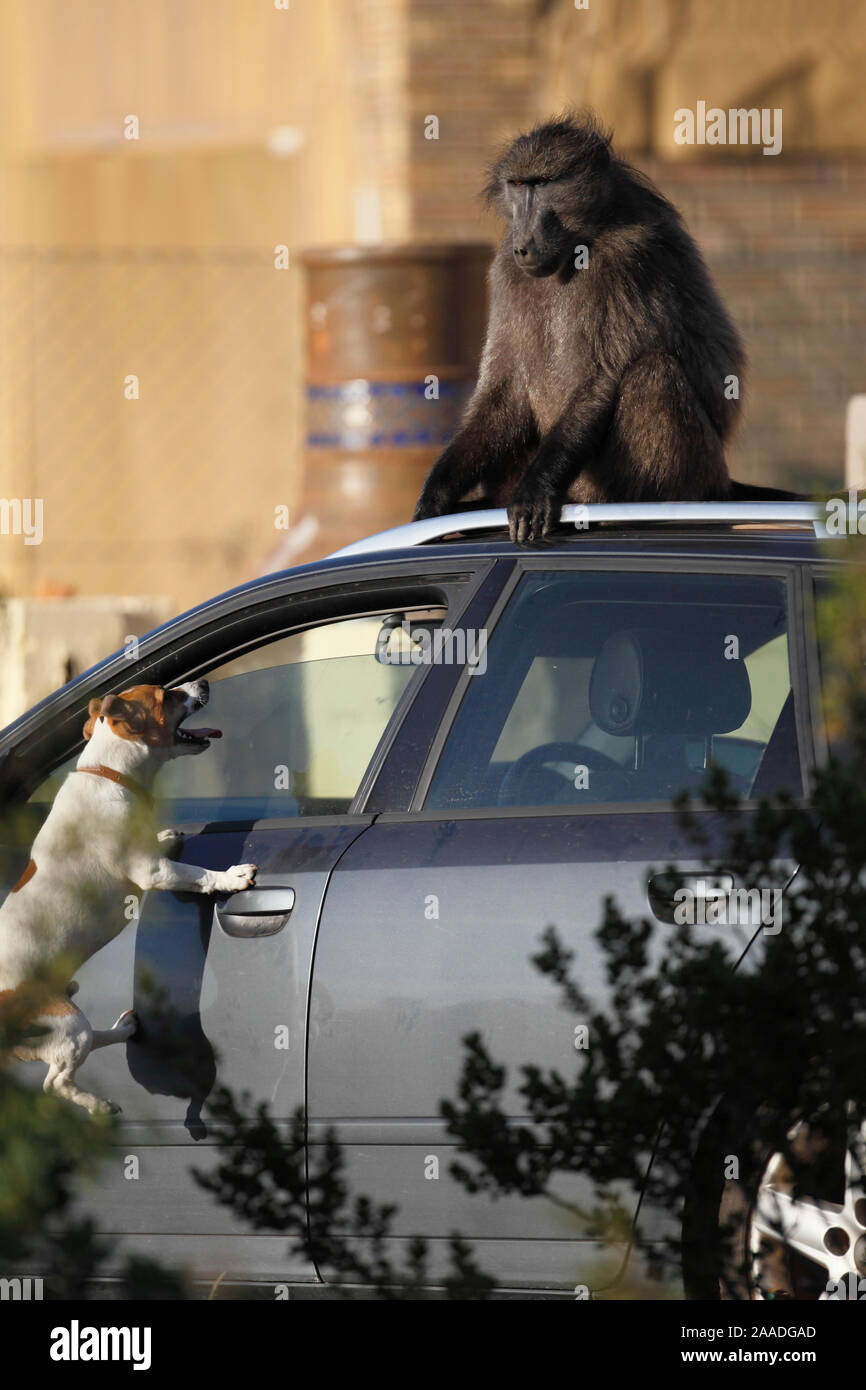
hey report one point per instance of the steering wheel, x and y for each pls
(579, 754)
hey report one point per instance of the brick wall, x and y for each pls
(786, 242)
(475, 67)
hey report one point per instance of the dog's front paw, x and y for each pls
(170, 841)
(236, 879)
(126, 1026)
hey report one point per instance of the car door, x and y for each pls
(220, 986)
(608, 685)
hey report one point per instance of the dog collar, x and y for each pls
(122, 781)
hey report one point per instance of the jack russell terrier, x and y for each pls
(99, 844)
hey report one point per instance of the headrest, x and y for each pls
(661, 682)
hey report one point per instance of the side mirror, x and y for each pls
(405, 641)
(390, 624)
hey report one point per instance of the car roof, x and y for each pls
(585, 521)
(714, 530)
(768, 530)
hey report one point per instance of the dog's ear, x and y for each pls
(130, 713)
(115, 707)
(93, 711)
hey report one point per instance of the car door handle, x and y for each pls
(662, 891)
(259, 911)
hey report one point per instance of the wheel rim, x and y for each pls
(811, 1238)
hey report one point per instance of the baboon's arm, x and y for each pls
(560, 458)
(499, 432)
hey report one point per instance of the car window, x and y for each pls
(624, 687)
(300, 717)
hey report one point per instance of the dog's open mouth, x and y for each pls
(200, 737)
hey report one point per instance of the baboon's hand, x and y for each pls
(442, 489)
(427, 505)
(532, 513)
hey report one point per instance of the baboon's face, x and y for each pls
(555, 186)
(544, 214)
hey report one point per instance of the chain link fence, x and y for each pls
(151, 399)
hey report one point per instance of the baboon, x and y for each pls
(611, 371)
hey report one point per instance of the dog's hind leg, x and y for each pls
(59, 1082)
(65, 1047)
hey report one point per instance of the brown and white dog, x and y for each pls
(98, 845)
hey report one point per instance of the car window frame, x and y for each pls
(397, 765)
(790, 572)
(207, 636)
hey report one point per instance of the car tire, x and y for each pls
(776, 1208)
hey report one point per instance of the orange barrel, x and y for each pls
(393, 338)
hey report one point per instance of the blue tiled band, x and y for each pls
(384, 414)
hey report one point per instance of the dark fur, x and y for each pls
(604, 384)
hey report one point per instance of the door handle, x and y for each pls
(260, 911)
(662, 890)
